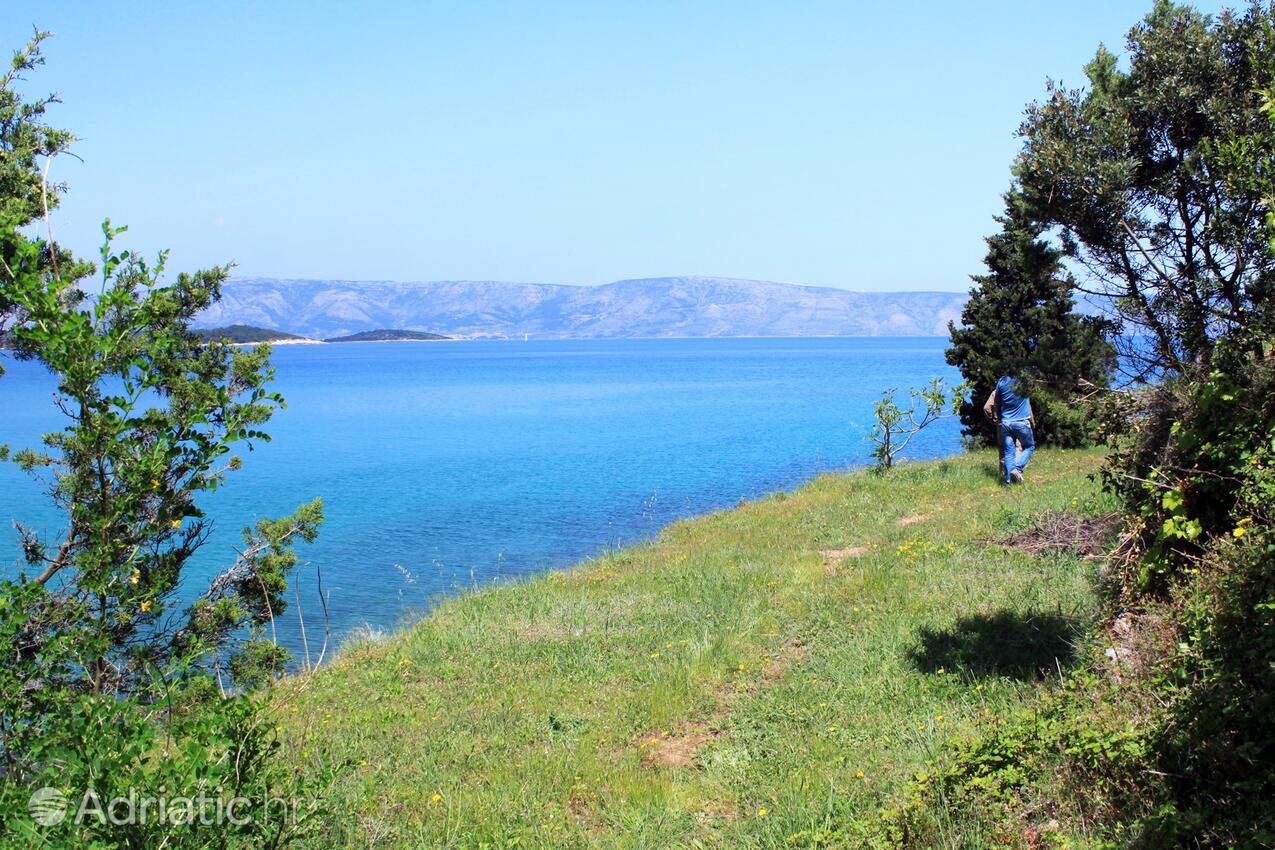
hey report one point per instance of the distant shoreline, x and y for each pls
(309, 341)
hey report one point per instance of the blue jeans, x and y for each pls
(1021, 432)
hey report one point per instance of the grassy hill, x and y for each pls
(770, 676)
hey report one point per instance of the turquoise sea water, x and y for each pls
(445, 465)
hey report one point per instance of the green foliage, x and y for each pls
(107, 686)
(1139, 174)
(153, 412)
(1020, 321)
(104, 685)
(895, 426)
(211, 762)
(27, 145)
(1029, 778)
(1217, 744)
(1198, 464)
(25, 139)
(1168, 745)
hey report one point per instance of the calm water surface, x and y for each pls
(442, 465)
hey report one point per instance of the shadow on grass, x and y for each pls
(1024, 646)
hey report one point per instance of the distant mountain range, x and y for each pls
(654, 307)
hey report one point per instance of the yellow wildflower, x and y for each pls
(859, 774)
(761, 813)
(154, 484)
(655, 655)
(436, 798)
(177, 523)
(941, 670)
(146, 605)
(1240, 531)
(135, 577)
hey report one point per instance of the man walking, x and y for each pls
(1009, 406)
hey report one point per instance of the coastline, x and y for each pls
(680, 687)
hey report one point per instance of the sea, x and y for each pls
(445, 466)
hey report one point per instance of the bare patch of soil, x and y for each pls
(677, 747)
(913, 519)
(1063, 531)
(721, 811)
(834, 557)
(842, 554)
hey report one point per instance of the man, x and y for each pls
(1009, 406)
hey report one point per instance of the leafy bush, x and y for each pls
(110, 761)
(1197, 463)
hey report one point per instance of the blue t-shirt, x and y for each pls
(1011, 401)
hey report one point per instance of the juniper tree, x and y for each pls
(1021, 320)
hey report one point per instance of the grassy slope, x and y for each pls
(727, 685)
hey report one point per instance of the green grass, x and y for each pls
(727, 685)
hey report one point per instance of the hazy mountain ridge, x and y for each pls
(653, 307)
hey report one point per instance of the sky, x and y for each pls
(857, 145)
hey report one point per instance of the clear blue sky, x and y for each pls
(850, 144)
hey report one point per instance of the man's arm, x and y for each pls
(989, 408)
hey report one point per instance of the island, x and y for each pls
(389, 336)
(243, 334)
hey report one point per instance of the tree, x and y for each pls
(896, 426)
(1130, 173)
(97, 658)
(108, 681)
(153, 411)
(1020, 320)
